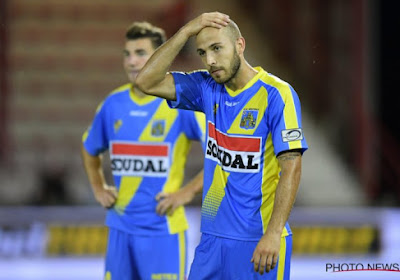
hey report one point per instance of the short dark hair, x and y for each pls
(144, 29)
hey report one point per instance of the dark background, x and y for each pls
(60, 59)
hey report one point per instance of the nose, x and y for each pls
(210, 60)
(132, 60)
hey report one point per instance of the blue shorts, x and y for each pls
(222, 258)
(132, 257)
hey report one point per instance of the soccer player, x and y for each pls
(148, 144)
(253, 153)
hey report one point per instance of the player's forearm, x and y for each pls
(154, 71)
(94, 170)
(195, 185)
(286, 191)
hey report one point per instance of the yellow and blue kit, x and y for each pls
(148, 143)
(246, 129)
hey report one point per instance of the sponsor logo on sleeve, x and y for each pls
(140, 159)
(289, 135)
(233, 153)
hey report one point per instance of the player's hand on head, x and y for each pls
(107, 196)
(214, 19)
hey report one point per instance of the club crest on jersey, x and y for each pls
(117, 125)
(249, 118)
(232, 152)
(158, 128)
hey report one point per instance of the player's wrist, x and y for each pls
(274, 231)
(185, 33)
(188, 193)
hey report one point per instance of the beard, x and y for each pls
(234, 68)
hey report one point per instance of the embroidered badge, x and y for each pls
(158, 128)
(249, 119)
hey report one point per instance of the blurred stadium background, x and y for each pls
(59, 59)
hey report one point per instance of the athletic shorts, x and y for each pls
(223, 258)
(132, 257)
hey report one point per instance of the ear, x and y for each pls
(240, 45)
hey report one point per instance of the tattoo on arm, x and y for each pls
(289, 155)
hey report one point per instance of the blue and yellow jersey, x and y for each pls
(246, 130)
(148, 143)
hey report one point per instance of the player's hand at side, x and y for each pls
(265, 256)
(106, 196)
(168, 202)
(214, 19)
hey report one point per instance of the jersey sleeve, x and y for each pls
(195, 126)
(189, 91)
(95, 138)
(284, 120)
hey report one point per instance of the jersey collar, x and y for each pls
(140, 100)
(234, 93)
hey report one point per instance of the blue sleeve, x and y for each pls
(284, 121)
(189, 90)
(95, 139)
(194, 126)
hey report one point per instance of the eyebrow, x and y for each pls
(210, 46)
(135, 51)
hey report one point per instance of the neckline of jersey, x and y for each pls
(234, 93)
(140, 100)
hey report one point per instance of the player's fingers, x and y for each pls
(220, 17)
(111, 197)
(109, 200)
(109, 206)
(262, 265)
(223, 20)
(113, 192)
(268, 262)
(161, 195)
(217, 24)
(106, 203)
(173, 207)
(274, 261)
(162, 207)
(256, 261)
(215, 19)
(159, 208)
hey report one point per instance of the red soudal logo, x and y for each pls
(233, 153)
(139, 159)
